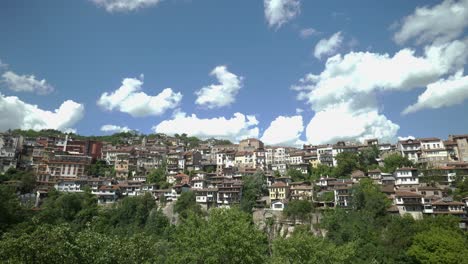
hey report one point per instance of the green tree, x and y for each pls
(76, 208)
(158, 176)
(296, 175)
(253, 188)
(368, 157)
(366, 196)
(298, 209)
(439, 245)
(11, 211)
(321, 170)
(157, 223)
(347, 162)
(186, 204)
(100, 168)
(394, 161)
(461, 188)
(303, 247)
(227, 236)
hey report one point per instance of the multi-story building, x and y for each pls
(245, 160)
(225, 160)
(343, 195)
(66, 166)
(341, 147)
(250, 144)
(410, 149)
(325, 155)
(121, 166)
(433, 152)
(10, 147)
(278, 191)
(110, 153)
(406, 177)
(462, 146)
(301, 191)
(229, 192)
(409, 203)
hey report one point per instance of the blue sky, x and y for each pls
(82, 49)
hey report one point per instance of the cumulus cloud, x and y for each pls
(128, 98)
(328, 46)
(441, 23)
(278, 12)
(238, 127)
(222, 94)
(307, 32)
(125, 5)
(114, 128)
(284, 130)
(25, 83)
(406, 138)
(341, 122)
(346, 89)
(15, 113)
(443, 93)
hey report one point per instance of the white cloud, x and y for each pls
(125, 5)
(307, 32)
(129, 99)
(344, 93)
(445, 92)
(222, 94)
(406, 138)
(238, 127)
(340, 122)
(328, 46)
(284, 130)
(114, 128)
(15, 113)
(443, 22)
(299, 110)
(25, 83)
(278, 12)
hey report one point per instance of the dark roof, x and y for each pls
(278, 184)
(407, 194)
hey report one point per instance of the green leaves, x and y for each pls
(186, 204)
(298, 209)
(304, 247)
(394, 161)
(227, 236)
(251, 190)
(439, 245)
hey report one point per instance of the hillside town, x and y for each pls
(167, 166)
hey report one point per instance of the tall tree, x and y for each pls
(10, 208)
(252, 189)
(347, 162)
(304, 247)
(186, 204)
(439, 245)
(298, 209)
(394, 161)
(227, 236)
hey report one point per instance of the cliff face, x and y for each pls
(275, 224)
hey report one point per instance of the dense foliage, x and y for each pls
(71, 228)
